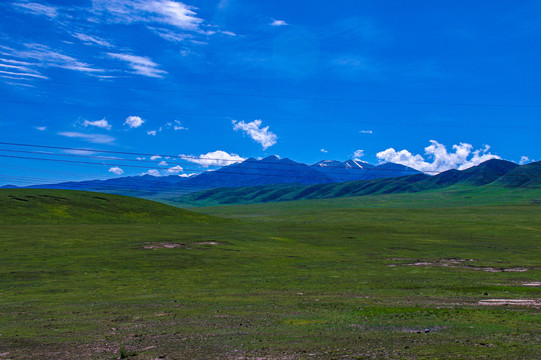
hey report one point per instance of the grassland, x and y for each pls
(396, 276)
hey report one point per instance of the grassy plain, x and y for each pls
(397, 276)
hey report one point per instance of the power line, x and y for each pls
(183, 157)
(239, 116)
(290, 97)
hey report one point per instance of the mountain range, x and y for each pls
(494, 173)
(251, 172)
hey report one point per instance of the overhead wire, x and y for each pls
(288, 118)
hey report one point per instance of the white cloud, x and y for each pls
(462, 158)
(229, 33)
(176, 125)
(279, 23)
(93, 138)
(366, 132)
(260, 135)
(358, 154)
(162, 163)
(524, 160)
(133, 121)
(140, 64)
(155, 157)
(151, 132)
(216, 158)
(323, 151)
(152, 172)
(84, 152)
(171, 35)
(88, 39)
(38, 9)
(116, 170)
(45, 57)
(164, 12)
(175, 169)
(103, 124)
(41, 128)
(187, 175)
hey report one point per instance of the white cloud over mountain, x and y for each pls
(441, 160)
(175, 169)
(215, 158)
(263, 136)
(116, 170)
(358, 154)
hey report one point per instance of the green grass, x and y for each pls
(292, 280)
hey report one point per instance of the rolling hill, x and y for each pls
(499, 173)
(46, 206)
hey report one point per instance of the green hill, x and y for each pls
(45, 206)
(528, 175)
(500, 174)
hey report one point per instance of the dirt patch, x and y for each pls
(174, 245)
(512, 302)
(155, 246)
(535, 283)
(456, 263)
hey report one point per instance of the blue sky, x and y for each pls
(433, 85)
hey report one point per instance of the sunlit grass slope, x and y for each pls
(42, 206)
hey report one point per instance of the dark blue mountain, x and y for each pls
(353, 170)
(251, 172)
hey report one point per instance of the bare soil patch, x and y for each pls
(456, 263)
(175, 245)
(513, 302)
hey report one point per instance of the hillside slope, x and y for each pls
(498, 173)
(46, 206)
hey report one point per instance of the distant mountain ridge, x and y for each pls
(494, 172)
(251, 172)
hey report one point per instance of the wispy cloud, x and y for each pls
(525, 160)
(41, 128)
(462, 158)
(263, 136)
(151, 132)
(357, 155)
(93, 138)
(103, 124)
(45, 57)
(92, 40)
(323, 151)
(164, 12)
(152, 172)
(140, 64)
(177, 125)
(175, 169)
(37, 9)
(134, 121)
(215, 158)
(366, 132)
